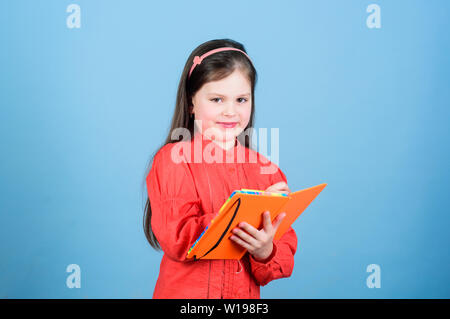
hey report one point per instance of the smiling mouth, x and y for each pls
(227, 124)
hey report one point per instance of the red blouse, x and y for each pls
(186, 192)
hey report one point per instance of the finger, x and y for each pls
(240, 242)
(245, 237)
(278, 220)
(250, 229)
(284, 188)
(267, 221)
(282, 191)
(280, 184)
(280, 187)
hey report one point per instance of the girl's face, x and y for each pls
(224, 108)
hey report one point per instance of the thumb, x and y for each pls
(277, 187)
(278, 220)
(280, 184)
(267, 222)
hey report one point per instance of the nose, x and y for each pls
(230, 109)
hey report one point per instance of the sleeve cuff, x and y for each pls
(267, 260)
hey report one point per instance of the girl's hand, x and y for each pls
(259, 243)
(280, 187)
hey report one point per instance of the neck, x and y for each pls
(226, 145)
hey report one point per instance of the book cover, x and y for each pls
(248, 205)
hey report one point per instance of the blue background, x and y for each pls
(364, 110)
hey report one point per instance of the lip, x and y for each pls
(227, 124)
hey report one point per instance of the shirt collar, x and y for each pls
(233, 153)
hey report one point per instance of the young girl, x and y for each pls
(215, 104)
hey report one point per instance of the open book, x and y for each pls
(249, 205)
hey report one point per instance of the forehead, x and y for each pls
(237, 83)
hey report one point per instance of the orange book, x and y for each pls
(248, 205)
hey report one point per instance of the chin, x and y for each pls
(231, 133)
(224, 134)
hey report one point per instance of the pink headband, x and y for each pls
(199, 59)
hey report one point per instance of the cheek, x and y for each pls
(205, 123)
(207, 116)
(245, 115)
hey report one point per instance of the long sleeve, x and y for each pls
(280, 263)
(177, 219)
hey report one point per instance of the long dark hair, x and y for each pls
(216, 67)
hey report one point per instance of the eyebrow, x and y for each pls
(212, 93)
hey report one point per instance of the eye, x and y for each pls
(240, 100)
